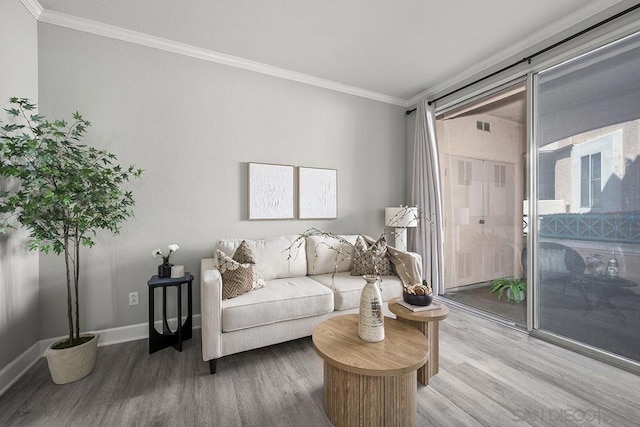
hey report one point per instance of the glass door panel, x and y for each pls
(483, 158)
(588, 200)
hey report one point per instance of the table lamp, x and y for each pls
(401, 218)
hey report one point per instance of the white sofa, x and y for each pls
(301, 291)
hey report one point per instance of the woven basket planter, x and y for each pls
(71, 364)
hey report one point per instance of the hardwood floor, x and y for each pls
(479, 297)
(490, 375)
(608, 318)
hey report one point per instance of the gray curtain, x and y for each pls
(426, 193)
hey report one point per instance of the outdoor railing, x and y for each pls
(624, 228)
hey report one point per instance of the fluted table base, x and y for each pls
(352, 399)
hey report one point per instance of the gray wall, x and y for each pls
(18, 267)
(193, 126)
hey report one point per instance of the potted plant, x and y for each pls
(62, 192)
(164, 269)
(516, 288)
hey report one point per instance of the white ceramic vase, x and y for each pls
(371, 319)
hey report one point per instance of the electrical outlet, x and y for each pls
(133, 298)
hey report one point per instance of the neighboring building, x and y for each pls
(594, 172)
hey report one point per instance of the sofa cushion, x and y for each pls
(237, 278)
(347, 288)
(272, 255)
(327, 254)
(363, 254)
(279, 301)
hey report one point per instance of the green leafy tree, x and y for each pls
(61, 191)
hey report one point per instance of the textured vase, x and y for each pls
(371, 319)
(164, 270)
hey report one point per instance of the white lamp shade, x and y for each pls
(401, 216)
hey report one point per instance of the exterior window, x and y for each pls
(590, 180)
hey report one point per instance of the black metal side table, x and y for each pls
(157, 340)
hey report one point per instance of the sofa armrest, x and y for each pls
(408, 265)
(211, 309)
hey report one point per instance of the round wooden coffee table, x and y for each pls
(426, 322)
(370, 384)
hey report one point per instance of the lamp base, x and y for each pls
(400, 242)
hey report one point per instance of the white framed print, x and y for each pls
(271, 191)
(317, 193)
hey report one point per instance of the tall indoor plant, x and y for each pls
(61, 191)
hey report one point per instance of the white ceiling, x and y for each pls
(398, 48)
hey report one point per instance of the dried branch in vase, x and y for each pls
(341, 246)
(370, 257)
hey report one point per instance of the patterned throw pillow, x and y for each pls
(362, 254)
(244, 254)
(237, 278)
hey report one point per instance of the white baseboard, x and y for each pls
(18, 367)
(21, 364)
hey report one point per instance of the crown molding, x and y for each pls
(34, 7)
(545, 33)
(118, 33)
(143, 39)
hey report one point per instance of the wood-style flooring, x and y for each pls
(479, 297)
(606, 318)
(490, 375)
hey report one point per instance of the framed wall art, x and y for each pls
(271, 191)
(317, 193)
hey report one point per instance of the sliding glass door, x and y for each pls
(483, 145)
(541, 188)
(587, 246)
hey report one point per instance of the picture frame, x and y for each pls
(270, 191)
(317, 193)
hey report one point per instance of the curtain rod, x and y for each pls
(530, 57)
